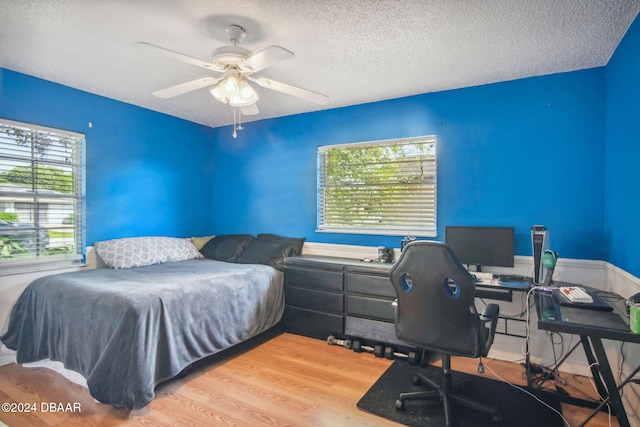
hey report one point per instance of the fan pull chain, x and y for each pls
(237, 121)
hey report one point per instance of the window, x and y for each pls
(41, 195)
(383, 187)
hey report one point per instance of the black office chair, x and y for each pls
(436, 311)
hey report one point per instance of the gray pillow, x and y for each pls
(226, 248)
(270, 249)
(131, 252)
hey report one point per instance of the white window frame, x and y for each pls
(47, 148)
(413, 212)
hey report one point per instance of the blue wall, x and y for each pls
(622, 165)
(147, 173)
(559, 150)
(516, 153)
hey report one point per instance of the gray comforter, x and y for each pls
(128, 330)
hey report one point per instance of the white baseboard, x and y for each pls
(341, 251)
(621, 282)
(7, 356)
(598, 274)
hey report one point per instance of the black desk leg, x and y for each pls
(606, 401)
(593, 364)
(613, 391)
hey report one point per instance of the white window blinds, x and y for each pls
(41, 194)
(382, 187)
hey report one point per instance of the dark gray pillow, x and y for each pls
(292, 246)
(226, 248)
(270, 249)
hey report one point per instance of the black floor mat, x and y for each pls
(518, 408)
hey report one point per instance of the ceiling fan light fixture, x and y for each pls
(247, 94)
(234, 91)
(230, 85)
(215, 91)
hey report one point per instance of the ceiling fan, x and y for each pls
(236, 65)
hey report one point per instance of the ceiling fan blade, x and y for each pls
(182, 88)
(179, 56)
(261, 59)
(250, 110)
(290, 90)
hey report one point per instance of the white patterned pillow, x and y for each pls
(139, 251)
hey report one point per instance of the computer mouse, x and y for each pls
(633, 299)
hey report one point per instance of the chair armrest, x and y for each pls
(490, 313)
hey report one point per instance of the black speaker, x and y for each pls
(633, 299)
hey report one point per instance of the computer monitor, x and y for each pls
(481, 246)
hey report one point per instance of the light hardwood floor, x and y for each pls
(287, 380)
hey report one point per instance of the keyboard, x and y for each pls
(482, 275)
(576, 294)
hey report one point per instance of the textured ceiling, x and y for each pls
(354, 51)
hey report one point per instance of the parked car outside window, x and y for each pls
(23, 234)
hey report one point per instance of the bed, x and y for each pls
(127, 328)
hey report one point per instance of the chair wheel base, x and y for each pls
(497, 418)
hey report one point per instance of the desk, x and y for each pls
(592, 326)
(351, 298)
(503, 291)
(499, 290)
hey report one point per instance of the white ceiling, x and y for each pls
(354, 51)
